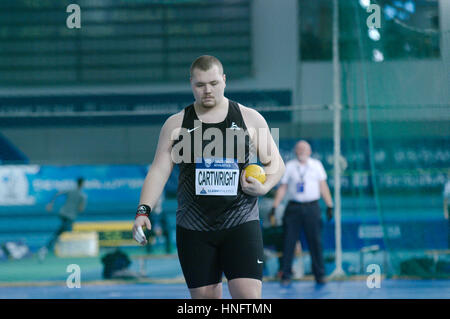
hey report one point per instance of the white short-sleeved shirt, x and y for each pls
(313, 173)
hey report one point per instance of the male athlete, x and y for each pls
(218, 229)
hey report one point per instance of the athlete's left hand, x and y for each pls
(251, 186)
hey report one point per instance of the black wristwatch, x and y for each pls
(143, 210)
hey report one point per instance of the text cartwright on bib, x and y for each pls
(219, 177)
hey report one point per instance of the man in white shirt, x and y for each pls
(305, 182)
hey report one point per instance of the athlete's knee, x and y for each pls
(245, 288)
(254, 293)
(207, 292)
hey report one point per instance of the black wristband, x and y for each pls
(143, 210)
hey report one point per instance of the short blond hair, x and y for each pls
(206, 62)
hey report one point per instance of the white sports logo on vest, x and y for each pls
(234, 127)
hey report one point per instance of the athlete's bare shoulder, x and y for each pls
(173, 125)
(175, 120)
(252, 117)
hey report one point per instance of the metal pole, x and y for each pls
(338, 272)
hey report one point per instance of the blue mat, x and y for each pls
(390, 289)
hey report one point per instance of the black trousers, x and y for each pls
(66, 225)
(306, 216)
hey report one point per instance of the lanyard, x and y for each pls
(300, 173)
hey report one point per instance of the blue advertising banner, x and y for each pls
(30, 187)
(113, 194)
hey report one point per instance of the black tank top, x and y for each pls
(209, 193)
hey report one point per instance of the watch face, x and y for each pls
(142, 209)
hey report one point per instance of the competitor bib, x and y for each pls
(216, 177)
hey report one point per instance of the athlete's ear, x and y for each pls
(225, 79)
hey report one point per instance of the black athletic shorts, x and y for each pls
(206, 255)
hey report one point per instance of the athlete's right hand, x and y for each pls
(138, 232)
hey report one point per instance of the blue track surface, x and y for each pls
(390, 289)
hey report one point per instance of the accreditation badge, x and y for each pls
(300, 187)
(219, 177)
